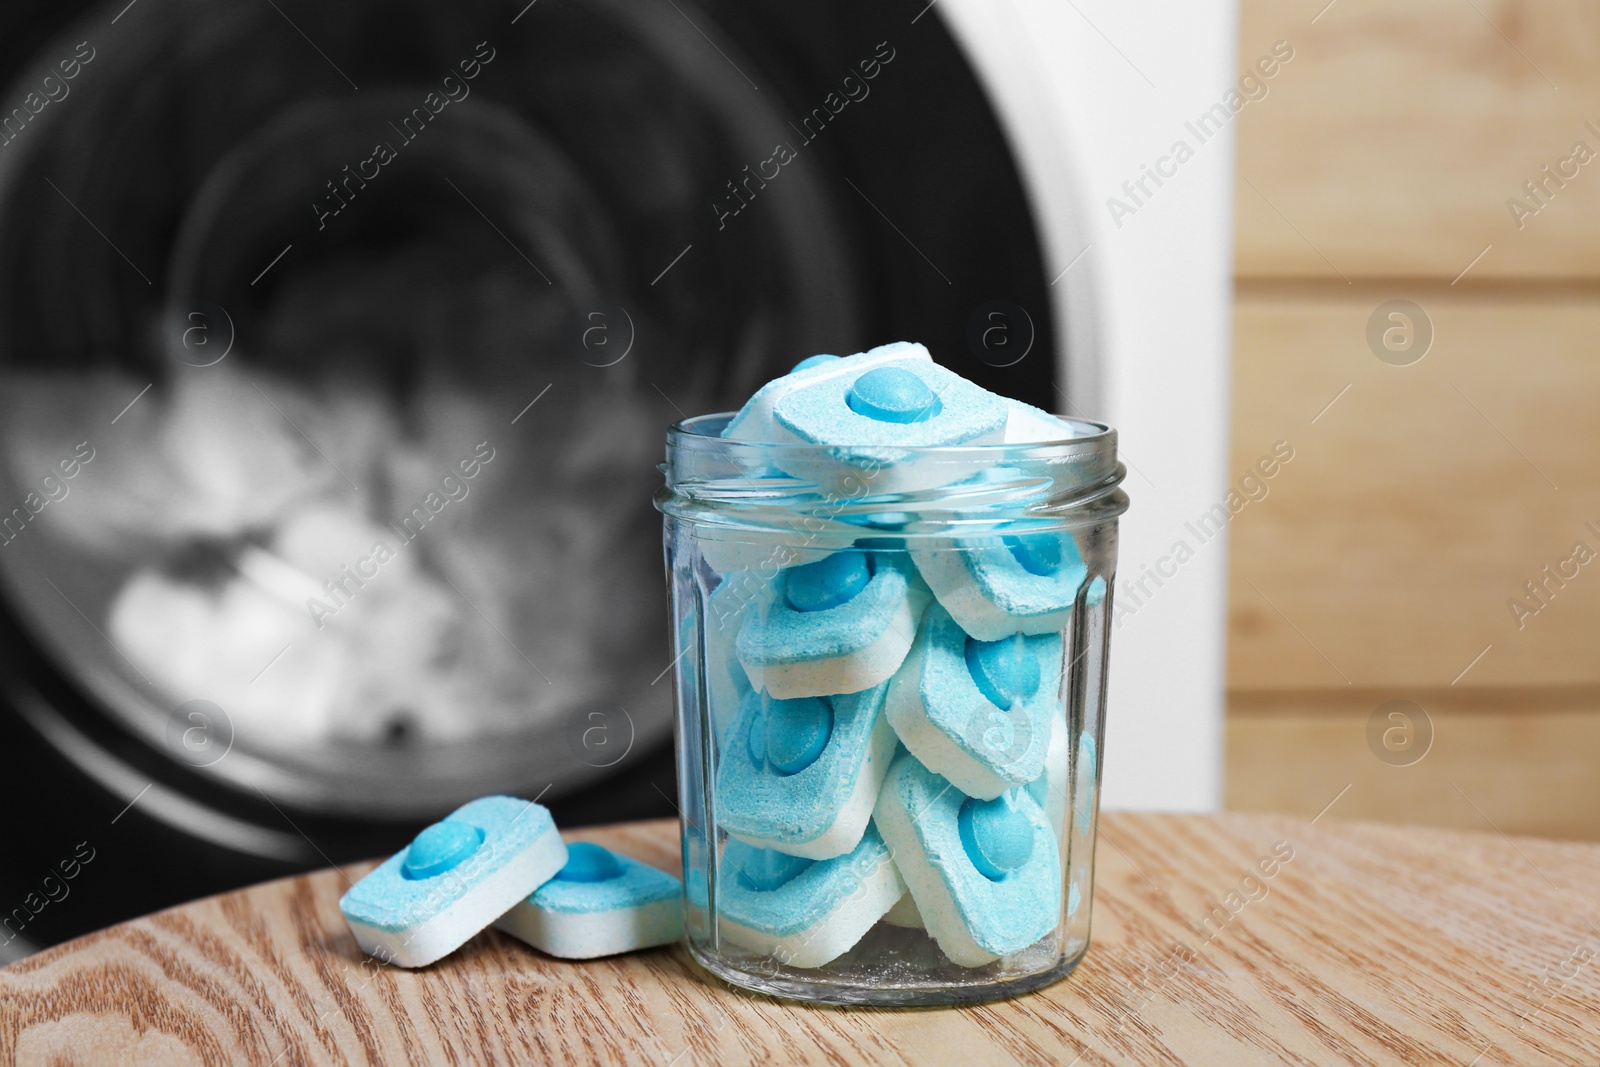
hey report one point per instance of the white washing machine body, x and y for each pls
(1096, 97)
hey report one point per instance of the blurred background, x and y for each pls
(337, 347)
(1429, 543)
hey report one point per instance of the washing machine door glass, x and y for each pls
(338, 342)
(337, 455)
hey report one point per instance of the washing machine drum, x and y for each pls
(339, 341)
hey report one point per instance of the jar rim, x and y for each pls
(708, 428)
(731, 488)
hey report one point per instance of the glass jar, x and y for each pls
(890, 681)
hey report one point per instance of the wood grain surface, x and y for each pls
(1384, 161)
(1421, 499)
(1372, 944)
(1390, 144)
(1524, 759)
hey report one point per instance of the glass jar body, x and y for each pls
(889, 715)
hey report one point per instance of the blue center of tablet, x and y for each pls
(589, 863)
(827, 583)
(1005, 671)
(441, 847)
(1037, 553)
(791, 734)
(998, 838)
(766, 869)
(893, 394)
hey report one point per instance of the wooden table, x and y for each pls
(1372, 944)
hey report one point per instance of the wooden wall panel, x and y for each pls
(1422, 500)
(1382, 561)
(1389, 145)
(1526, 761)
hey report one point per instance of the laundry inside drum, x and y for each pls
(359, 471)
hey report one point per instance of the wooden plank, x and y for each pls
(1421, 498)
(1391, 142)
(1365, 944)
(1522, 762)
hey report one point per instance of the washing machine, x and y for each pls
(337, 345)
